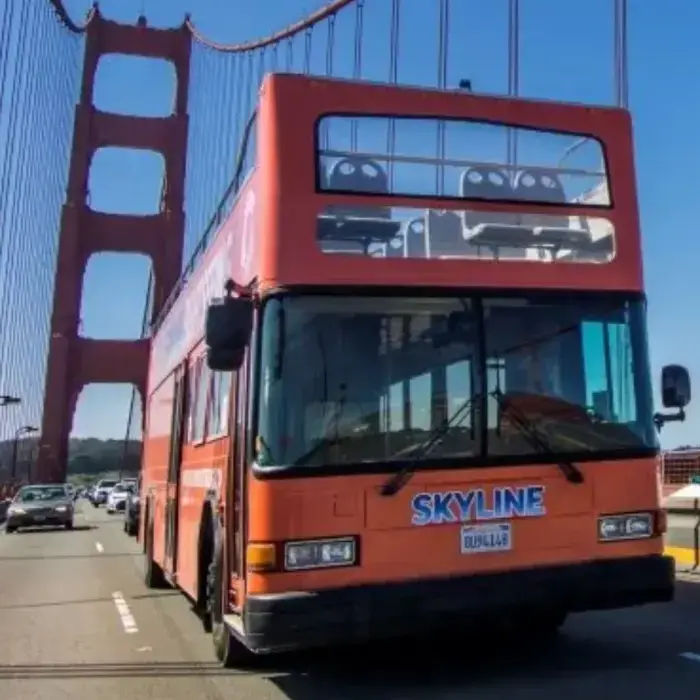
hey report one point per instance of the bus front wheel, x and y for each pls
(228, 649)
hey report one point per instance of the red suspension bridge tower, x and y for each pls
(75, 361)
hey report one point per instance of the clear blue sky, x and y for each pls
(566, 53)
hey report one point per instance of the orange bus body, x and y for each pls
(205, 489)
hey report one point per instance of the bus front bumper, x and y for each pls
(284, 621)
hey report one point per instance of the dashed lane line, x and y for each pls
(127, 618)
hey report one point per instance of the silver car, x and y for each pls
(49, 504)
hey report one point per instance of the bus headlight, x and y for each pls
(317, 554)
(630, 526)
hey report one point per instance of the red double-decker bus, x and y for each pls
(406, 384)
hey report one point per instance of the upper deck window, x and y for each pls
(433, 157)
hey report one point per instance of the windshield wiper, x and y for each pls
(572, 473)
(399, 479)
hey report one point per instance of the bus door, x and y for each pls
(174, 463)
(236, 482)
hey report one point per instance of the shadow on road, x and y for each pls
(59, 603)
(107, 670)
(52, 529)
(429, 667)
(397, 669)
(54, 557)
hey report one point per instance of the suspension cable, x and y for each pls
(290, 31)
(65, 18)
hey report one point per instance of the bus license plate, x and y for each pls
(493, 537)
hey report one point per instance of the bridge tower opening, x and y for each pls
(76, 361)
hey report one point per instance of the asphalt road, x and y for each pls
(64, 635)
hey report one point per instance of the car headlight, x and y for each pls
(16, 510)
(61, 509)
(317, 554)
(629, 526)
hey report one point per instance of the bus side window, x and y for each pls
(219, 404)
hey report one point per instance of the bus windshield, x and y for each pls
(355, 380)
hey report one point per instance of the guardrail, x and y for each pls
(680, 468)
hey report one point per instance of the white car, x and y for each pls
(116, 499)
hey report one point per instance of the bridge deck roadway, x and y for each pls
(63, 635)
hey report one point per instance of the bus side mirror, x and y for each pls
(675, 386)
(228, 326)
(675, 393)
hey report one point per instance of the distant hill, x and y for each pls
(88, 456)
(94, 456)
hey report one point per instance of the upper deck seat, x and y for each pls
(444, 237)
(363, 224)
(550, 230)
(416, 238)
(501, 232)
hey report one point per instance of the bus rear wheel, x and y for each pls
(228, 649)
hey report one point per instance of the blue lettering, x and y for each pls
(497, 503)
(422, 513)
(482, 512)
(535, 500)
(441, 508)
(464, 499)
(456, 506)
(513, 502)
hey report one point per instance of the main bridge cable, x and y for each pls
(66, 20)
(620, 64)
(247, 53)
(287, 33)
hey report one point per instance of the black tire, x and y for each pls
(132, 529)
(69, 525)
(95, 505)
(153, 573)
(9, 529)
(540, 626)
(230, 652)
(126, 528)
(549, 624)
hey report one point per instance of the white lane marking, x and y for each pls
(690, 656)
(127, 618)
(99, 547)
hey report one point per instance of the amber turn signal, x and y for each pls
(261, 556)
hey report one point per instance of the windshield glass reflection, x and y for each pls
(348, 380)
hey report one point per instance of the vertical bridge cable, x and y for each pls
(513, 80)
(207, 200)
(131, 429)
(40, 48)
(443, 41)
(290, 53)
(357, 65)
(12, 165)
(330, 47)
(393, 77)
(5, 36)
(20, 215)
(624, 54)
(307, 50)
(616, 53)
(620, 69)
